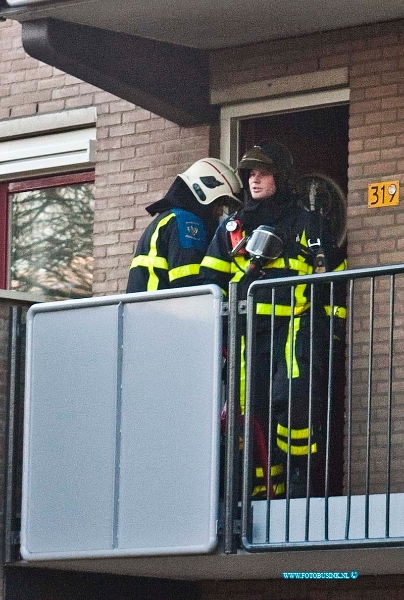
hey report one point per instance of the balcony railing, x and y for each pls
(353, 496)
(13, 309)
(358, 495)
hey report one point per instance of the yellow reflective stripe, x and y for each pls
(298, 264)
(281, 310)
(153, 281)
(278, 488)
(339, 311)
(242, 375)
(293, 329)
(296, 450)
(258, 489)
(239, 265)
(216, 263)
(237, 277)
(148, 261)
(300, 297)
(343, 266)
(276, 470)
(183, 271)
(295, 434)
(303, 239)
(278, 263)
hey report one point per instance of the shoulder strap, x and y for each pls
(314, 240)
(235, 231)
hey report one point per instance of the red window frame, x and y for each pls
(25, 185)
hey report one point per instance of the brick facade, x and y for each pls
(139, 154)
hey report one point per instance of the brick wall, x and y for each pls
(138, 153)
(138, 156)
(374, 56)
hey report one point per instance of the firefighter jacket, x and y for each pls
(288, 370)
(170, 250)
(295, 227)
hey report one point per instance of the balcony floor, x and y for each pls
(385, 560)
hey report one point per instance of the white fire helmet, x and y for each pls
(210, 179)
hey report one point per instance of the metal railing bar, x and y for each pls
(349, 408)
(390, 402)
(329, 407)
(289, 442)
(369, 401)
(233, 393)
(310, 416)
(118, 424)
(248, 416)
(321, 545)
(270, 421)
(352, 387)
(12, 438)
(317, 278)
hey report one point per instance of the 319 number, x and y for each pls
(385, 193)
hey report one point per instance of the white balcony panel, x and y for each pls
(121, 438)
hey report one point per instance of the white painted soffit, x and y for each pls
(210, 24)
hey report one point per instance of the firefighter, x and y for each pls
(170, 250)
(299, 243)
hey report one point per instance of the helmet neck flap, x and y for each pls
(180, 196)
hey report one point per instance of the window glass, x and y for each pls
(51, 241)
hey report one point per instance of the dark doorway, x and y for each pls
(317, 138)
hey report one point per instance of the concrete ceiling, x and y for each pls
(209, 24)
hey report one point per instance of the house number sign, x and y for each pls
(384, 193)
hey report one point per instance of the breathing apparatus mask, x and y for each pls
(263, 246)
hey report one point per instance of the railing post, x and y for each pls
(232, 472)
(13, 447)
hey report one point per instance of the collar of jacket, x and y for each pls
(266, 212)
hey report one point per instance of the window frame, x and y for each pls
(231, 115)
(25, 185)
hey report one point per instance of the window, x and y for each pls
(46, 203)
(50, 232)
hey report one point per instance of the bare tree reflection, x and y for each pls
(52, 241)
